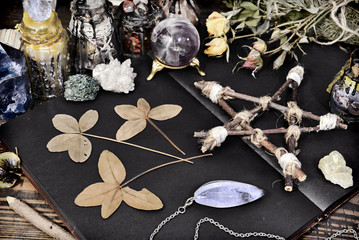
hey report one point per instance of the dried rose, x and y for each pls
(217, 24)
(216, 47)
(260, 45)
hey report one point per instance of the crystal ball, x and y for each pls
(175, 41)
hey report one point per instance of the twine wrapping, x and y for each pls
(288, 162)
(296, 74)
(264, 102)
(215, 91)
(257, 137)
(293, 130)
(327, 122)
(245, 116)
(216, 137)
(293, 111)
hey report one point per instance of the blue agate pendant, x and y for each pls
(226, 194)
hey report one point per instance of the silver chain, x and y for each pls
(231, 232)
(189, 202)
(180, 210)
(344, 231)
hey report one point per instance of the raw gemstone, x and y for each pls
(334, 168)
(15, 95)
(39, 10)
(115, 77)
(81, 88)
(175, 42)
(225, 194)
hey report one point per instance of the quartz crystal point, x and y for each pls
(334, 168)
(226, 193)
(39, 10)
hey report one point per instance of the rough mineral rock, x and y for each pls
(115, 77)
(15, 95)
(175, 41)
(81, 88)
(334, 168)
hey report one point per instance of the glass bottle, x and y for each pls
(136, 24)
(344, 94)
(92, 38)
(45, 49)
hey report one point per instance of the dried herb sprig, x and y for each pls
(292, 23)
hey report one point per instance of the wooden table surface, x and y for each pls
(13, 226)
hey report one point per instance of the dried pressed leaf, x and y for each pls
(130, 129)
(164, 112)
(144, 106)
(94, 194)
(88, 120)
(111, 168)
(129, 112)
(111, 202)
(66, 123)
(144, 199)
(60, 142)
(79, 148)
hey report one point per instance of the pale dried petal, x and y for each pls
(129, 112)
(165, 112)
(60, 142)
(79, 148)
(94, 194)
(111, 202)
(65, 123)
(130, 129)
(144, 106)
(111, 168)
(144, 199)
(88, 120)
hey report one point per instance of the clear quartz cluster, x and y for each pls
(334, 168)
(39, 10)
(115, 77)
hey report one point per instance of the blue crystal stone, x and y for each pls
(226, 194)
(15, 93)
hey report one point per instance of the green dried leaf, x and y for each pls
(252, 22)
(279, 61)
(65, 123)
(164, 112)
(245, 14)
(130, 129)
(263, 27)
(304, 39)
(144, 199)
(111, 168)
(249, 6)
(283, 40)
(88, 120)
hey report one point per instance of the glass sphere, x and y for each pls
(175, 42)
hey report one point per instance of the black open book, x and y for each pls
(286, 214)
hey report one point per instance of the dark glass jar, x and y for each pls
(344, 95)
(136, 25)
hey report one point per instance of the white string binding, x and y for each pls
(219, 134)
(288, 158)
(327, 122)
(296, 74)
(213, 95)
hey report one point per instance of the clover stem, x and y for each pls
(163, 165)
(137, 146)
(164, 135)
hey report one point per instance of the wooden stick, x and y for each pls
(204, 134)
(37, 220)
